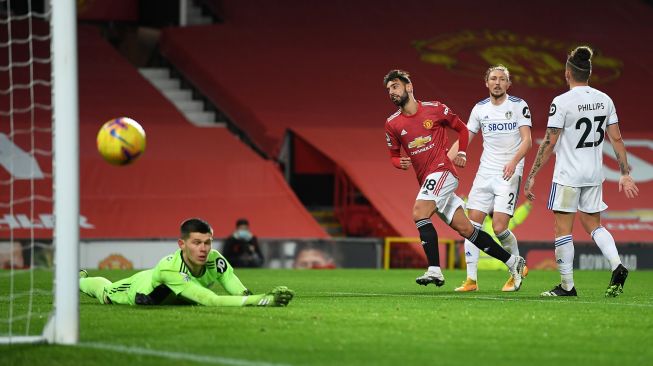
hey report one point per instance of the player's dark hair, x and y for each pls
(402, 75)
(194, 225)
(242, 221)
(579, 63)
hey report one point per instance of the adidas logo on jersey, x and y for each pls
(403, 132)
(184, 276)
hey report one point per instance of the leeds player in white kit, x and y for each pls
(579, 121)
(505, 124)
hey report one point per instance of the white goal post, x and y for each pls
(63, 324)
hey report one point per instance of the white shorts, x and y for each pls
(441, 188)
(493, 193)
(572, 199)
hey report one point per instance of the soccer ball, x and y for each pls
(121, 141)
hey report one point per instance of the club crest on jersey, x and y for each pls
(427, 124)
(419, 142)
(508, 115)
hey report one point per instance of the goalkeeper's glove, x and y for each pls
(278, 296)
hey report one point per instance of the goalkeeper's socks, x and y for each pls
(485, 243)
(429, 238)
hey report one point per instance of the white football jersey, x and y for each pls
(583, 113)
(499, 125)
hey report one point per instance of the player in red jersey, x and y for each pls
(420, 129)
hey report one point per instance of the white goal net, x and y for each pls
(39, 178)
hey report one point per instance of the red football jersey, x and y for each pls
(424, 137)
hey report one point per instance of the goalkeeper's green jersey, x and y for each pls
(171, 282)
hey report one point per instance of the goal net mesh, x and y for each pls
(26, 203)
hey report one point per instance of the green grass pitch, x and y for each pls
(358, 317)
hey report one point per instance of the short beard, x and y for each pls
(401, 102)
(495, 96)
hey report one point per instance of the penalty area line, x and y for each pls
(216, 360)
(491, 298)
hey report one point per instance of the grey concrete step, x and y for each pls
(183, 100)
(178, 95)
(155, 72)
(189, 105)
(200, 116)
(166, 84)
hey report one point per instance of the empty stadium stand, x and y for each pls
(316, 69)
(186, 171)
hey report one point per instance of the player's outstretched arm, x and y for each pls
(228, 279)
(626, 182)
(279, 296)
(543, 155)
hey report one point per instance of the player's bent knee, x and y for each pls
(420, 214)
(464, 228)
(423, 210)
(465, 232)
(499, 228)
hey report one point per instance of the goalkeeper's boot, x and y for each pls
(617, 281)
(517, 271)
(559, 291)
(279, 296)
(467, 286)
(509, 286)
(435, 278)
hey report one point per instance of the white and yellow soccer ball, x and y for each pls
(121, 141)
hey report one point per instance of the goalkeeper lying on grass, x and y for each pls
(183, 278)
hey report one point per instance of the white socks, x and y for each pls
(565, 258)
(605, 242)
(511, 261)
(434, 269)
(471, 256)
(509, 242)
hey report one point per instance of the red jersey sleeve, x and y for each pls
(453, 121)
(393, 145)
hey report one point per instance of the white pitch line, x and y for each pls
(216, 360)
(548, 300)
